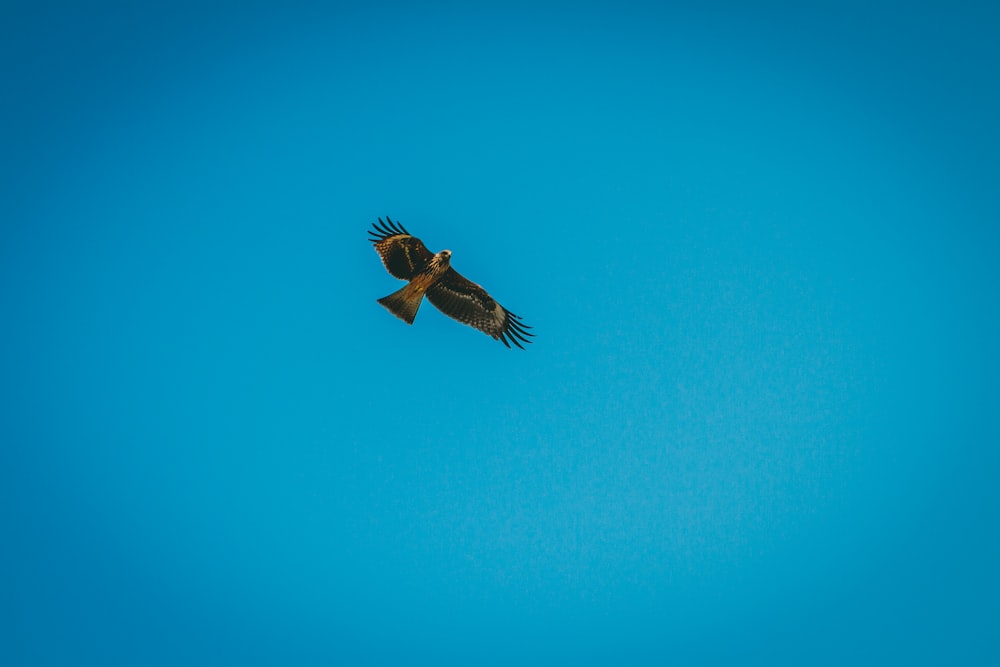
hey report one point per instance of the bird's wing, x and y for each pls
(467, 302)
(403, 255)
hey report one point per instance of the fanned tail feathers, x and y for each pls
(404, 303)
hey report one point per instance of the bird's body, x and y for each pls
(407, 258)
(405, 302)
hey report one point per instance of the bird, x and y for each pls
(430, 274)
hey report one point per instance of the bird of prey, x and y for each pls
(407, 258)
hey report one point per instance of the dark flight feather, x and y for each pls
(403, 255)
(461, 299)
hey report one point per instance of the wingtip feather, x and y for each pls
(384, 229)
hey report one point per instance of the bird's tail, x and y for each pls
(404, 303)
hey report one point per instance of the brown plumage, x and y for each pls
(407, 258)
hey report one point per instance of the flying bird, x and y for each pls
(407, 258)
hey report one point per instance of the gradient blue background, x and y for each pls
(758, 245)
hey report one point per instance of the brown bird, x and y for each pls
(407, 258)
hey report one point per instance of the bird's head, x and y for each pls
(444, 257)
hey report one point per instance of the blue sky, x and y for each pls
(758, 245)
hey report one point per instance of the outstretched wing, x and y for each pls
(467, 302)
(403, 255)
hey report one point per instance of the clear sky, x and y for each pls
(758, 245)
